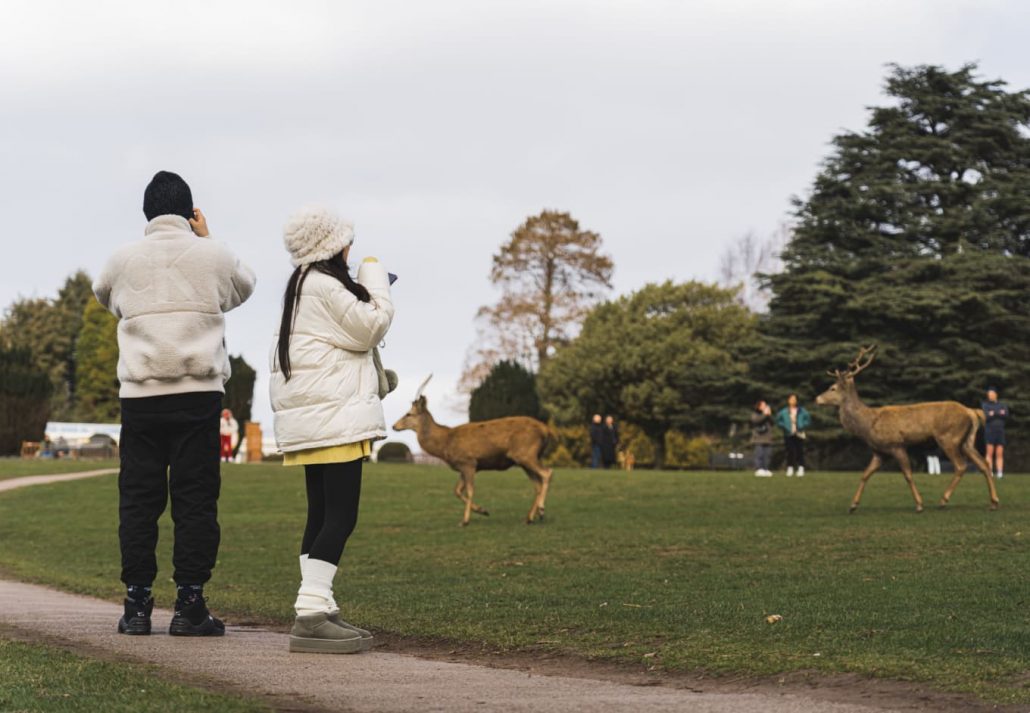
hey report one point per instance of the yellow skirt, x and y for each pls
(330, 454)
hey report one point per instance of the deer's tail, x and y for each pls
(549, 442)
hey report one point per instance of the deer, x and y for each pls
(497, 444)
(889, 429)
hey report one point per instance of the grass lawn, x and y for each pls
(672, 570)
(43, 678)
(17, 468)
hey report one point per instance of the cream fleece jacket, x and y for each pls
(169, 292)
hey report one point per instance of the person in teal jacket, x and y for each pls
(794, 419)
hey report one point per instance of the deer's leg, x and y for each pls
(545, 474)
(906, 469)
(538, 485)
(970, 450)
(459, 492)
(957, 460)
(873, 466)
(468, 475)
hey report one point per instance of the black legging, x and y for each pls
(334, 490)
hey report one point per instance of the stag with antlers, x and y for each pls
(497, 444)
(889, 429)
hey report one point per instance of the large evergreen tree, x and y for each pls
(24, 400)
(916, 236)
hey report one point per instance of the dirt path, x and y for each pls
(256, 662)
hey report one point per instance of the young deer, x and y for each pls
(486, 445)
(888, 429)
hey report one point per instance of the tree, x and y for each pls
(746, 263)
(663, 357)
(239, 392)
(96, 366)
(550, 273)
(508, 390)
(25, 391)
(48, 329)
(943, 168)
(917, 237)
(70, 306)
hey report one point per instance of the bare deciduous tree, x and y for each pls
(748, 257)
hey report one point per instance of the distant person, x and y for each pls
(609, 442)
(933, 463)
(995, 413)
(762, 438)
(169, 292)
(325, 392)
(596, 440)
(794, 419)
(229, 430)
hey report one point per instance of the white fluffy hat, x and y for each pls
(315, 233)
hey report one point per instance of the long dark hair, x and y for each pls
(334, 267)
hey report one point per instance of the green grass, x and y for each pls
(43, 678)
(17, 468)
(672, 570)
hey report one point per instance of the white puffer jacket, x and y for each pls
(332, 397)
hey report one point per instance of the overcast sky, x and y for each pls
(670, 128)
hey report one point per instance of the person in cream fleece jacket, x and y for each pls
(169, 292)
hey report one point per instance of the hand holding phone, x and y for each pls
(199, 224)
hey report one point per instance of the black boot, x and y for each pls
(193, 619)
(136, 619)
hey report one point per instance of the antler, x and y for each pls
(857, 365)
(418, 394)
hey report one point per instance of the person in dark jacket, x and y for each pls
(609, 442)
(596, 440)
(794, 419)
(762, 437)
(995, 413)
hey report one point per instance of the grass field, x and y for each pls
(17, 468)
(43, 678)
(672, 570)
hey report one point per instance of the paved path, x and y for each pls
(13, 483)
(256, 661)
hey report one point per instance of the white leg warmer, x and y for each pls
(316, 588)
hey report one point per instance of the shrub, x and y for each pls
(682, 451)
(635, 441)
(394, 452)
(575, 442)
(561, 458)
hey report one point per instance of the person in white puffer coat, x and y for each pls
(326, 399)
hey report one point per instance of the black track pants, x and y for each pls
(334, 490)
(795, 448)
(170, 444)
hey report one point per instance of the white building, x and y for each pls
(78, 434)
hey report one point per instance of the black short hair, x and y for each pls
(167, 194)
